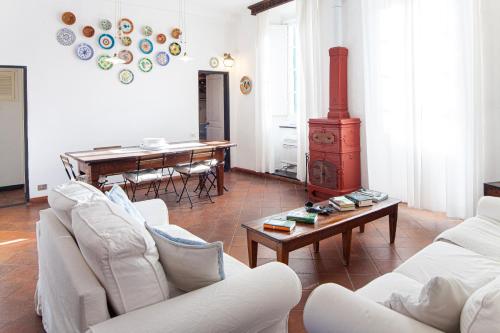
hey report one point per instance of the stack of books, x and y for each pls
(375, 195)
(342, 204)
(279, 224)
(360, 200)
(302, 216)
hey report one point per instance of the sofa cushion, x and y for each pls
(189, 264)
(119, 197)
(481, 312)
(438, 303)
(64, 197)
(445, 259)
(382, 287)
(477, 234)
(121, 253)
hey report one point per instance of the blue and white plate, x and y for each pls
(84, 51)
(162, 58)
(66, 37)
(106, 41)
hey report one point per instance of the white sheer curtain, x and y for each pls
(309, 75)
(263, 115)
(423, 114)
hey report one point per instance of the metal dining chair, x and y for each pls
(212, 175)
(70, 172)
(193, 168)
(105, 178)
(144, 174)
(165, 173)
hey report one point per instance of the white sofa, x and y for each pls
(70, 298)
(469, 252)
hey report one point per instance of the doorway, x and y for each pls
(14, 187)
(213, 108)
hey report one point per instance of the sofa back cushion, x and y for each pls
(481, 312)
(121, 253)
(64, 197)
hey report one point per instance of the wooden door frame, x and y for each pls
(227, 125)
(25, 106)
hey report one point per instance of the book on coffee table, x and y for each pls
(342, 204)
(359, 199)
(301, 215)
(280, 224)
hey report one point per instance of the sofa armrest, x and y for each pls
(489, 207)
(154, 211)
(246, 302)
(335, 309)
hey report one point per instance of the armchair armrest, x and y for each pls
(246, 302)
(489, 207)
(334, 309)
(154, 211)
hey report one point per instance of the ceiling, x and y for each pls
(226, 6)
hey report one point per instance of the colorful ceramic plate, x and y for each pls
(145, 65)
(146, 46)
(126, 26)
(162, 58)
(245, 85)
(176, 33)
(104, 63)
(175, 49)
(126, 56)
(126, 76)
(88, 31)
(106, 41)
(105, 24)
(68, 18)
(147, 30)
(161, 39)
(126, 40)
(84, 51)
(214, 62)
(66, 36)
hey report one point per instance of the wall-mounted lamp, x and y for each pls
(228, 60)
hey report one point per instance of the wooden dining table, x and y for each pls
(117, 160)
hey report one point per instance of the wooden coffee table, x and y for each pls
(326, 226)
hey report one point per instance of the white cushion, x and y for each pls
(481, 312)
(438, 304)
(119, 197)
(121, 253)
(189, 264)
(382, 287)
(445, 259)
(64, 197)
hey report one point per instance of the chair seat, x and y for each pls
(194, 169)
(85, 179)
(211, 162)
(143, 176)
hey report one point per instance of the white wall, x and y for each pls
(12, 135)
(74, 105)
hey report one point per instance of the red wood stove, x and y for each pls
(334, 144)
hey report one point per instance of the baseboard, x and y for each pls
(39, 200)
(266, 175)
(11, 187)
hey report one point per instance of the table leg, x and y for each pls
(346, 246)
(282, 254)
(393, 222)
(219, 155)
(362, 228)
(252, 251)
(316, 247)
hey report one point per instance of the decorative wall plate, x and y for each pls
(245, 85)
(176, 33)
(145, 65)
(147, 30)
(126, 56)
(161, 38)
(66, 36)
(214, 62)
(126, 76)
(68, 18)
(88, 31)
(106, 41)
(162, 58)
(104, 63)
(84, 51)
(175, 49)
(126, 40)
(105, 24)
(146, 46)
(126, 26)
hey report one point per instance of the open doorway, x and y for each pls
(213, 98)
(14, 189)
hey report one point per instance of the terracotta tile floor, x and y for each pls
(250, 197)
